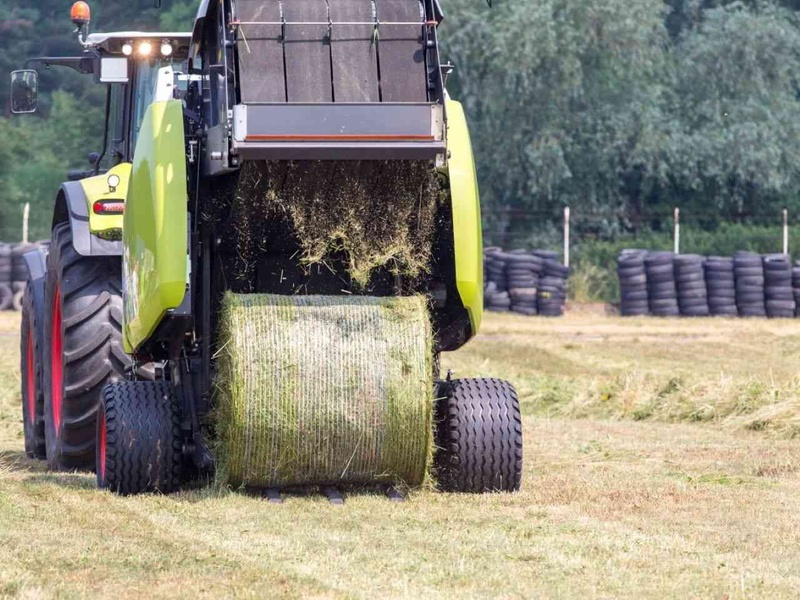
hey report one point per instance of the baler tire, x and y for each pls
(479, 437)
(139, 438)
(82, 324)
(32, 392)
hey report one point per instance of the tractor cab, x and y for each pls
(127, 63)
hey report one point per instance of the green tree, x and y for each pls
(734, 146)
(561, 97)
(180, 16)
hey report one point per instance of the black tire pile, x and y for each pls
(495, 286)
(552, 294)
(524, 282)
(690, 285)
(748, 268)
(13, 275)
(662, 295)
(778, 292)
(721, 286)
(633, 283)
(796, 287)
(6, 294)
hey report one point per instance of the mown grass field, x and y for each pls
(662, 460)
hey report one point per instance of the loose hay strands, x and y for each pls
(324, 390)
(379, 213)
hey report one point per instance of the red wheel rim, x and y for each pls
(101, 446)
(56, 361)
(30, 378)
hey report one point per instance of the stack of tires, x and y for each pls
(552, 294)
(522, 274)
(546, 255)
(778, 293)
(6, 294)
(796, 287)
(19, 273)
(14, 274)
(525, 282)
(690, 284)
(632, 283)
(747, 285)
(749, 271)
(720, 286)
(496, 294)
(661, 291)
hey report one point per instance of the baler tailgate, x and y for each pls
(320, 131)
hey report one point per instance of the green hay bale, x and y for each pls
(319, 390)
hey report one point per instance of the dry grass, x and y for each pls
(608, 509)
(741, 374)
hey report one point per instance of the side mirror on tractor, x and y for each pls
(24, 91)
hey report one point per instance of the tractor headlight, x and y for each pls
(127, 49)
(166, 49)
(145, 49)
(113, 182)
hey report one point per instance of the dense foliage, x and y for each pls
(622, 110)
(619, 109)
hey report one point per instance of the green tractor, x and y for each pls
(120, 329)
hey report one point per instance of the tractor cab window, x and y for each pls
(115, 134)
(144, 87)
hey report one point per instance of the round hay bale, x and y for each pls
(316, 390)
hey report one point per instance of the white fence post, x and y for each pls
(785, 231)
(566, 236)
(676, 231)
(26, 213)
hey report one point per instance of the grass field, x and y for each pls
(659, 462)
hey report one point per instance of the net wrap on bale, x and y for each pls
(319, 390)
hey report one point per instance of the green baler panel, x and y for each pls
(467, 232)
(155, 225)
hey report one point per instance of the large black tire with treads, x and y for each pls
(31, 346)
(479, 436)
(139, 438)
(82, 350)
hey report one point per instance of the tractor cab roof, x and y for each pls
(113, 43)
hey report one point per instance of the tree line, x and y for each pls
(618, 109)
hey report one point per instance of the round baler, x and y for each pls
(301, 240)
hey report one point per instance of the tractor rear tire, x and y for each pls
(82, 349)
(32, 340)
(139, 447)
(479, 437)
